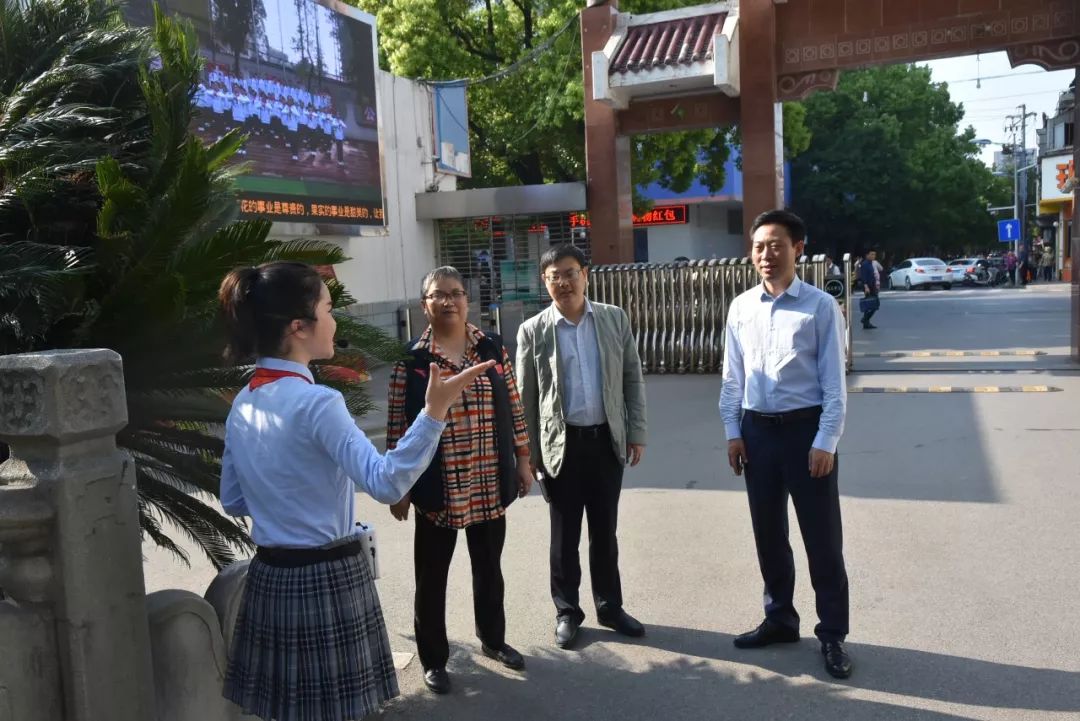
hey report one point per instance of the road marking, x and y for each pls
(954, 389)
(952, 354)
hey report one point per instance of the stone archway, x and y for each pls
(762, 52)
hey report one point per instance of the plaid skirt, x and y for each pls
(310, 643)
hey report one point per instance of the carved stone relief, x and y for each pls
(801, 85)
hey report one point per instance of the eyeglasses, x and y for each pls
(571, 275)
(441, 297)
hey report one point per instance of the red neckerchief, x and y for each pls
(269, 375)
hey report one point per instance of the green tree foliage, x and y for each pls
(237, 21)
(528, 125)
(116, 226)
(889, 167)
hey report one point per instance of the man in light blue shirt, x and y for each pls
(783, 404)
(579, 356)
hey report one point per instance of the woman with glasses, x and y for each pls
(481, 466)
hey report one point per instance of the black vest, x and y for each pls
(429, 494)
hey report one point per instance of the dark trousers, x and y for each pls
(433, 548)
(869, 314)
(588, 484)
(778, 466)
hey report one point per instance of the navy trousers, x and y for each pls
(778, 467)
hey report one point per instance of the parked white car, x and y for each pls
(961, 266)
(920, 272)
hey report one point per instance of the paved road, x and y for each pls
(960, 527)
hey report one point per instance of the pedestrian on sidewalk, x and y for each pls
(310, 642)
(584, 399)
(1047, 263)
(481, 466)
(870, 278)
(783, 403)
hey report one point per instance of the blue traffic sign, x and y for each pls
(1009, 230)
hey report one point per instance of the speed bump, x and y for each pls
(954, 389)
(952, 354)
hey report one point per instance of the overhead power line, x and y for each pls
(1012, 95)
(993, 77)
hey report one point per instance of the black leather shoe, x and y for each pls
(869, 326)
(622, 622)
(437, 680)
(837, 662)
(506, 655)
(566, 631)
(769, 632)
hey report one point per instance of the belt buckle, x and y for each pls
(773, 419)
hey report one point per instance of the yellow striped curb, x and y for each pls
(952, 354)
(954, 389)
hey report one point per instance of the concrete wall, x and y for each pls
(707, 235)
(386, 264)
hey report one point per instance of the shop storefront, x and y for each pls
(1058, 180)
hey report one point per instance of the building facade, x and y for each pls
(1057, 182)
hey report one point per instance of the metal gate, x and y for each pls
(678, 311)
(500, 259)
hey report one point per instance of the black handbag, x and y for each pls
(869, 304)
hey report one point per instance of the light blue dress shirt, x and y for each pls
(294, 459)
(579, 366)
(784, 354)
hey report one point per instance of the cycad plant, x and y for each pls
(122, 224)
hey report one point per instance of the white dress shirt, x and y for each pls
(785, 354)
(579, 367)
(294, 459)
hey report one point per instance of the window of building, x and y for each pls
(735, 221)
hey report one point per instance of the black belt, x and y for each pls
(297, 557)
(590, 432)
(779, 419)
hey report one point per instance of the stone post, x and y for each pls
(70, 553)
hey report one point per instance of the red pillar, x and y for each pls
(607, 154)
(762, 148)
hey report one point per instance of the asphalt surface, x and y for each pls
(960, 519)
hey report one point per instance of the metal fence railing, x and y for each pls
(678, 310)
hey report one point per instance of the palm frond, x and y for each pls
(357, 336)
(216, 536)
(313, 252)
(116, 226)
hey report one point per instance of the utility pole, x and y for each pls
(1020, 204)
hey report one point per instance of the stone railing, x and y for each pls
(80, 639)
(70, 561)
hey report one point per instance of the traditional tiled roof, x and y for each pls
(666, 44)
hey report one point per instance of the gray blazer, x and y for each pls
(541, 388)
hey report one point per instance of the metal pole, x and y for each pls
(1016, 192)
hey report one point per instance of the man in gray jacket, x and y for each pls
(580, 379)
